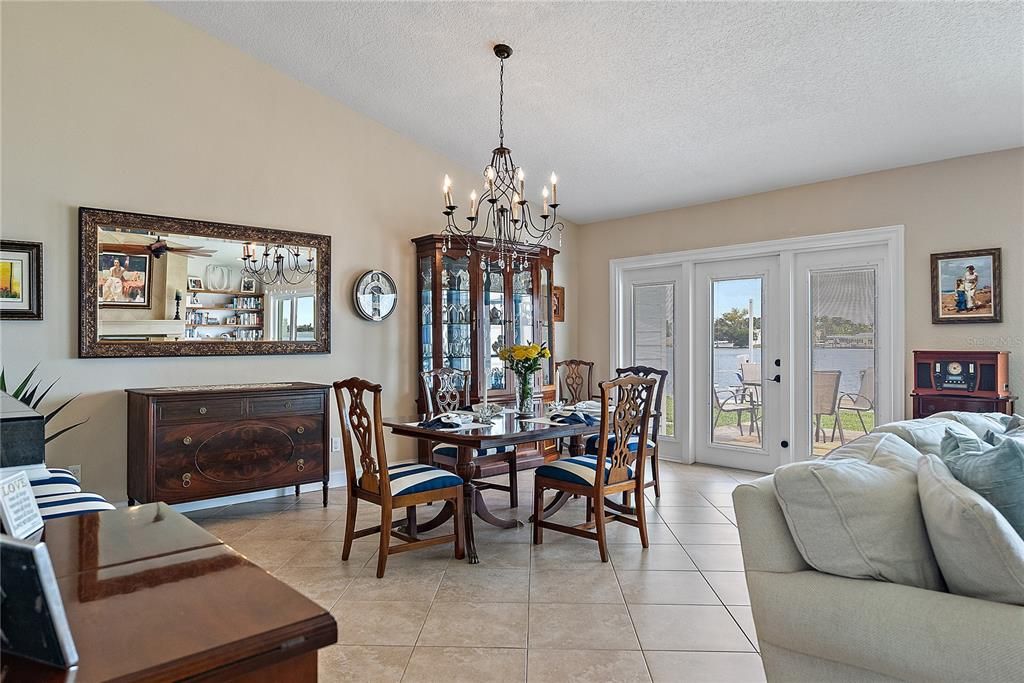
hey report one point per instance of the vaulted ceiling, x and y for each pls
(647, 106)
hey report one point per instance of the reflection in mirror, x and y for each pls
(168, 287)
(193, 288)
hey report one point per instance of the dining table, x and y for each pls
(506, 429)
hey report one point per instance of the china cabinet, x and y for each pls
(466, 313)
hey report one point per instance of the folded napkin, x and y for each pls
(574, 419)
(441, 422)
(588, 405)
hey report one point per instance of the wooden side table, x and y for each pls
(152, 596)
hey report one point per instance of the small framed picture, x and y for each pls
(248, 285)
(123, 281)
(967, 286)
(195, 282)
(558, 304)
(21, 280)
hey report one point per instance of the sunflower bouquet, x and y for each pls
(524, 360)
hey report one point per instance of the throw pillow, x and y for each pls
(859, 516)
(979, 554)
(954, 443)
(998, 475)
(979, 423)
(924, 435)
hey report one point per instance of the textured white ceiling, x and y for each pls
(648, 106)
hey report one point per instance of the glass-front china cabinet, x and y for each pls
(467, 313)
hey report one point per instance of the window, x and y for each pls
(294, 317)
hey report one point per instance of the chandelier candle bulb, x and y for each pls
(544, 194)
(554, 189)
(522, 181)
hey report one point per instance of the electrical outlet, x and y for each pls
(76, 470)
(335, 443)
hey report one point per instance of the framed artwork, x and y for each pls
(967, 287)
(248, 285)
(375, 296)
(21, 280)
(123, 281)
(558, 304)
(195, 282)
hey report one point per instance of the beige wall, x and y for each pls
(123, 106)
(966, 203)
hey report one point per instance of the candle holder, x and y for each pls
(177, 305)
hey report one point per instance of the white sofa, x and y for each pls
(817, 627)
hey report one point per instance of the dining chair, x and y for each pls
(825, 401)
(620, 464)
(863, 401)
(576, 383)
(447, 389)
(652, 441)
(404, 485)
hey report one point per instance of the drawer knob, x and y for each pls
(300, 429)
(202, 410)
(187, 440)
(186, 480)
(287, 404)
(300, 465)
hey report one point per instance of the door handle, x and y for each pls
(777, 379)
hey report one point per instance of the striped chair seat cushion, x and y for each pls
(415, 478)
(633, 443)
(578, 470)
(46, 482)
(450, 451)
(68, 504)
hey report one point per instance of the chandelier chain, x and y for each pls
(501, 104)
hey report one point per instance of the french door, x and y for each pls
(741, 406)
(777, 351)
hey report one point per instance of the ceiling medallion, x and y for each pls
(507, 221)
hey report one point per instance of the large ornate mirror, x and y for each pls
(159, 286)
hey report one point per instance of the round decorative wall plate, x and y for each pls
(375, 295)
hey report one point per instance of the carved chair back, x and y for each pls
(444, 389)
(362, 435)
(661, 376)
(577, 379)
(631, 415)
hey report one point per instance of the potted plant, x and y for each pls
(27, 395)
(524, 360)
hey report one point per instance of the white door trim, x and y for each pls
(891, 237)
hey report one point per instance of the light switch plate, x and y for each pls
(335, 443)
(76, 470)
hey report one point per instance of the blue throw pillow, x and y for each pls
(956, 442)
(997, 474)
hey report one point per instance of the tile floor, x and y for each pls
(677, 611)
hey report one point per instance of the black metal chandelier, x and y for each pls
(507, 222)
(279, 263)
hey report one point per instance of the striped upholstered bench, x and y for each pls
(58, 494)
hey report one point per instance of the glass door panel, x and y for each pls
(737, 406)
(495, 314)
(653, 339)
(426, 314)
(843, 357)
(546, 330)
(456, 337)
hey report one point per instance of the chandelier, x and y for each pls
(278, 263)
(507, 222)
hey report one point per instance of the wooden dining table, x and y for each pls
(507, 429)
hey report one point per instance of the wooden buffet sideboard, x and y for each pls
(191, 443)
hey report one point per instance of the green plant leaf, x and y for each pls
(66, 429)
(3, 380)
(24, 383)
(46, 420)
(31, 394)
(43, 395)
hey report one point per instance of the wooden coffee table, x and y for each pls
(152, 596)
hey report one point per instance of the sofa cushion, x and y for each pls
(979, 554)
(979, 423)
(924, 435)
(955, 442)
(997, 473)
(858, 515)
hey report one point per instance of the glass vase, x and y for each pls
(524, 394)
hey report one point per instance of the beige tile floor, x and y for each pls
(677, 611)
